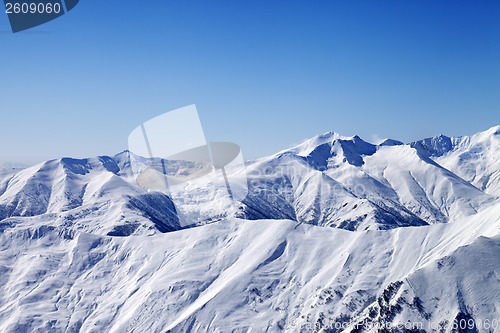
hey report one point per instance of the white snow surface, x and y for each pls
(335, 230)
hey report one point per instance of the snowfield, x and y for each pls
(336, 235)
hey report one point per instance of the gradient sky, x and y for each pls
(264, 74)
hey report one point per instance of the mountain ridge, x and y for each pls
(316, 182)
(338, 238)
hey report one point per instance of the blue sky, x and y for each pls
(264, 74)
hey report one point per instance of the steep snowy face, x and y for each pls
(288, 187)
(476, 159)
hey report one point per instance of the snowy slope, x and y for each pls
(446, 294)
(237, 274)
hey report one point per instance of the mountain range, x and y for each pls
(333, 231)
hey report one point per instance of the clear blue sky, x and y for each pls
(264, 74)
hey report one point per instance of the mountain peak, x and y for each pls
(390, 142)
(487, 135)
(435, 146)
(329, 138)
(320, 149)
(495, 130)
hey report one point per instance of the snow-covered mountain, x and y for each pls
(328, 180)
(349, 183)
(335, 235)
(474, 158)
(94, 195)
